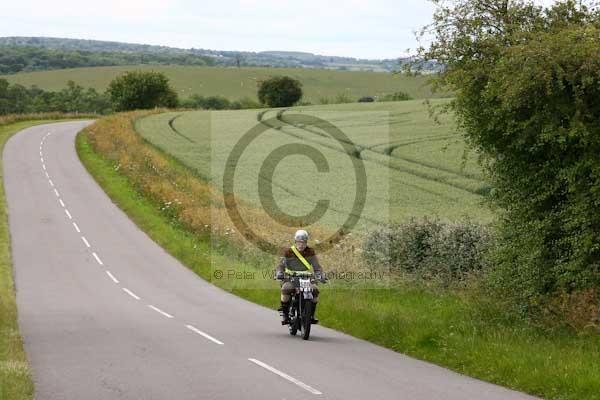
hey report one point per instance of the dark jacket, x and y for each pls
(288, 259)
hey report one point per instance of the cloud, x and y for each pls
(373, 29)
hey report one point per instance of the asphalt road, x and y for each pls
(108, 314)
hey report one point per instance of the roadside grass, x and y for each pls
(463, 331)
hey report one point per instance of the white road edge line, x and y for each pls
(47, 176)
(85, 241)
(62, 203)
(97, 258)
(115, 280)
(56, 193)
(51, 183)
(206, 335)
(68, 214)
(76, 227)
(44, 166)
(285, 376)
(129, 292)
(158, 310)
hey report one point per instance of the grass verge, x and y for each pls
(460, 332)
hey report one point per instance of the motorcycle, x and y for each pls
(301, 305)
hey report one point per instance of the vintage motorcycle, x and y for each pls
(301, 305)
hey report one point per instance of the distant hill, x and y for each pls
(43, 53)
(17, 58)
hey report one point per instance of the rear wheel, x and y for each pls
(306, 314)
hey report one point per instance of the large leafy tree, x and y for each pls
(280, 91)
(137, 90)
(527, 85)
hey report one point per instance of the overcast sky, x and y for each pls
(355, 28)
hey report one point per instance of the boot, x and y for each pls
(313, 319)
(284, 311)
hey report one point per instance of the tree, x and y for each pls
(528, 98)
(141, 90)
(280, 91)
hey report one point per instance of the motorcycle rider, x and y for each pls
(291, 261)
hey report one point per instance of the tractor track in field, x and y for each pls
(416, 187)
(177, 132)
(358, 154)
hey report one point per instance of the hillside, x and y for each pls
(235, 83)
(218, 57)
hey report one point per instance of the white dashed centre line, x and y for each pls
(115, 280)
(97, 258)
(206, 335)
(129, 292)
(158, 310)
(285, 376)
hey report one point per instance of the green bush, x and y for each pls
(280, 91)
(527, 97)
(430, 248)
(342, 98)
(218, 103)
(139, 90)
(396, 96)
(246, 103)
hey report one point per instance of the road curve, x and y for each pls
(108, 314)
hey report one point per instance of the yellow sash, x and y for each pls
(302, 259)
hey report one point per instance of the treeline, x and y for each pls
(15, 59)
(17, 99)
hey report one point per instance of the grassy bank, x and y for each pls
(455, 330)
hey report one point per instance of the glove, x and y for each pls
(279, 275)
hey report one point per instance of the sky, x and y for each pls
(373, 29)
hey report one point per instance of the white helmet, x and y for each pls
(301, 235)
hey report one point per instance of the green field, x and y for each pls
(235, 83)
(413, 165)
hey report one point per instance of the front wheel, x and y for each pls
(306, 317)
(294, 321)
